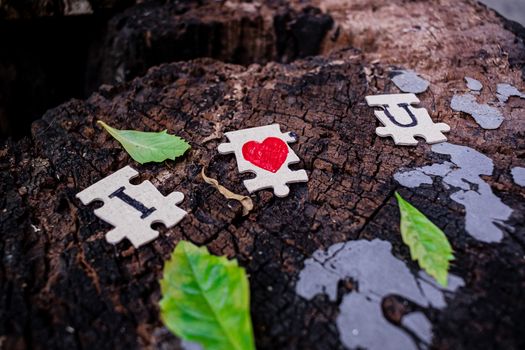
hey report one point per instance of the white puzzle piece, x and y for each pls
(402, 121)
(132, 209)
(264, 151)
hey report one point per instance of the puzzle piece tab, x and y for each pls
(402, 121)
(132, 209)
(264, 151)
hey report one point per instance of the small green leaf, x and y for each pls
(428, 244)
(146, 147)
(206, 299)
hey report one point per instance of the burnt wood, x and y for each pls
(62, 286)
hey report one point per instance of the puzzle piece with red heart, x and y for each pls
(264, 151)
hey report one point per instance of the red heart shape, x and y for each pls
(269, 155)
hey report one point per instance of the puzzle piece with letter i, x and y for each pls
(132, 209)
(264, 151)
(402, 121)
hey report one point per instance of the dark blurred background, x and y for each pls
(45, 49)
(55, 50)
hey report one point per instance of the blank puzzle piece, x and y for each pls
(402, 121)
(264, 151)
(132, 209)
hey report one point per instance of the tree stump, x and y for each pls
(244, 33)
(63, 286)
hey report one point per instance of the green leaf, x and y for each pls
(428, 244)
(146, 147)
(206, 299)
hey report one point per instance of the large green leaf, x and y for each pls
(146, 147)
(206, 299)
(428, 244)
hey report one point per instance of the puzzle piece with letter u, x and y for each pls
(264, 151)
(132, 209)
(402, 121)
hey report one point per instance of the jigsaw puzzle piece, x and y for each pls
(265, 152)
(257, 134)
(132, 209)
(289, 137)
(279, 185)
(403, 122)
(146, 235)
(226, 148)
(103, 188)
(169, 214)
(391, 100)
(403, 139)
(435, 134)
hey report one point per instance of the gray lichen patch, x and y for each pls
(186, 345)
(417, 177)
(486, 116)
(418, 323)
(518, 174)
(409, 81)
(484, 210)
(378, 274)
(473, 84)
(504, 91)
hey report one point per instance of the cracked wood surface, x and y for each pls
(63, 286)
